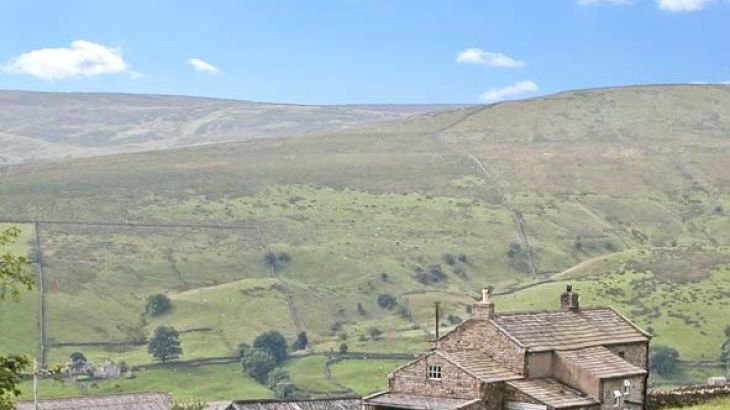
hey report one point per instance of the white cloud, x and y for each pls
(82, 59)
(726, 82)
(516, 89)
(203, 66)
(479, 56)
(682, 5)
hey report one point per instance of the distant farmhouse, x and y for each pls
(572, 358)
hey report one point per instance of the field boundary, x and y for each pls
(41, 293)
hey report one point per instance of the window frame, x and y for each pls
(434, 372)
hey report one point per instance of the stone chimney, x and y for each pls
(569, 299)
(484, 309)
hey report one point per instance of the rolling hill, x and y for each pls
(623, 192)
(49, 126)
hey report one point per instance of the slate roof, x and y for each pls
(416, 402)
(600, 362)
(342, 403)
(479, 365)
(142, 401)
(551, 392)
(566, 329)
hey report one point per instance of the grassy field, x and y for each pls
(621, 192)
(719, 404)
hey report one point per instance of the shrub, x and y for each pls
(384, 277)
(278, 382)
(434, 274)
(343, 348)
(375, 333)
(387, 301)
(157, 305)
(462, 258)
(361, 309)
(454, 320)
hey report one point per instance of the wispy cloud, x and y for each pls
(726, 82)
(682, 5)
(481, 57)
(203, 66)
(517, 89)
(81, 59)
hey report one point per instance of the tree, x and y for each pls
(14, 275)
(301, 342)
(273, 343)
(663, 359)
(257, 363)
(375, 333)
(387, 301)
(157, 305)
(278, 382)
(78, 360)
(343, 348)
(725, 349)
(165, 344)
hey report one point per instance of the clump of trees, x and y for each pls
(663, 359)
(262, 361)
(433, 274)
(164, 345)
(157, 305)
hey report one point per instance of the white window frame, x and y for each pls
(434, 372)
(627, 387)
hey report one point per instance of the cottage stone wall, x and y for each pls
(576, 377)
(636, 395)
(483, 336)
(454, 383)
(634, 353)
(539, 364)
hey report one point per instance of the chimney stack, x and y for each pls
(569, 299)
(484, 309)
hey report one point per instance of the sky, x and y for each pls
(361, 51)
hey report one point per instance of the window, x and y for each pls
(627, 387)
(434, 372)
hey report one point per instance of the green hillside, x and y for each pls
(622, 192)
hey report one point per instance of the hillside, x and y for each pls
(50, 126)
(623, 192)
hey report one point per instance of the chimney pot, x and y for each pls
(484, 309)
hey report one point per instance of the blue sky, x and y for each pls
(361, 51)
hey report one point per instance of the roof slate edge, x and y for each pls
(540, 349)
(630, 322)
(506, 333)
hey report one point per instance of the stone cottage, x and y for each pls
(571, 358)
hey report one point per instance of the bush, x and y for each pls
(454, 320)
(404, 312)
(518, 258)
(284, 257)
(434, 274)
(157, 305)
(343, 348)
(384, 277)
(387, 301)
(375, 333)
(278, 382)
(461, 258)
(361, 310)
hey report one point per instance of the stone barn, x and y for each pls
(570, 358)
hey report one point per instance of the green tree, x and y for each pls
(375, 333)
(157, 305)
(257, 363)
(164, 344)
(343, 348)
(78, 360)
(725, 349)
(278, 382)
(273, 343)
(14, 275)
(663, 359)
(301, 342)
